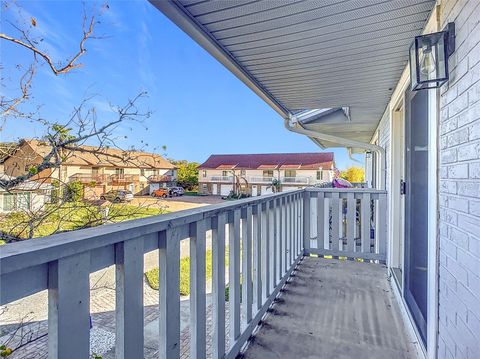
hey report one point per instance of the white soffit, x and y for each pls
(300, 55)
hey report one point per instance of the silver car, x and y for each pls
(117, 195)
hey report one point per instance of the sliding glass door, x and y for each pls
(416, 207)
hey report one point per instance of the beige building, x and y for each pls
(99, 170)
(257, 174)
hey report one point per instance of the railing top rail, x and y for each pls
(346, 190)
(25, 254)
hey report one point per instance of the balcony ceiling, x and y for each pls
(300, 55)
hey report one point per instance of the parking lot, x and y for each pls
(176, 203)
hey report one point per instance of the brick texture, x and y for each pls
(459, 172)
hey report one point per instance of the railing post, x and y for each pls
(197, 290)
(285, 234)
(265, 251)
(129, 298)
(295, 225)
(382, 226)
(247, 287)
(218, 285)
(365, 223)
(257, 253)
(169, 294)
(280, 238)
(351, 215)
(335, 221)
(302, 213)
(274, 222)
(321, 220)
(299, 221)
(234, 274)
(69, 307)
(306, 223)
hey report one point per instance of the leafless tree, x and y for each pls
(63, 139)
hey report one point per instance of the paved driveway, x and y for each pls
(176, 203)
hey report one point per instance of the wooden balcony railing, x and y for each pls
(124, 178)
(349, 222)
(160, 178)
(266, 238)
(88, 178)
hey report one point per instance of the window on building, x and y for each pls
(268, 173)
(243, 172)
(8, 201)
(16, 201)
(204, 186)
(320, 175)
(119, 171)
(204, 174)
(142, 171)
(290, 173)
(224, 173)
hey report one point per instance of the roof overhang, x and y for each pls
(304, 55)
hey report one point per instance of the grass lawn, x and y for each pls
(193, 193)
(152, 275)
(69, 217)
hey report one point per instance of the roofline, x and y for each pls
(253, 168)
(269, 153)
(116, 166)
(24, 142)
(202, 167)
(179, 16)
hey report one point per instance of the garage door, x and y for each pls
(225, 189)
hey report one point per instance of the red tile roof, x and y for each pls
(258, 161)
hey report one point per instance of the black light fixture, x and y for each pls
(429, 58)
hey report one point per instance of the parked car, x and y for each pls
(177, 191)
(117, 195)
(162, 192)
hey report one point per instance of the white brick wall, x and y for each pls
(459, 198)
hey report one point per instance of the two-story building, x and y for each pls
(259, 174)
(99, 169)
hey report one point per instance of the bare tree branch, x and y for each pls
(70, 64)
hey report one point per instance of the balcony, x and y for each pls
(260, 179)
(88, 178)
(123, 178)
(160, 178)
(270, 239)
(221, 179)
(296, 180)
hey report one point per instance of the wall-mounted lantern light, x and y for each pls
(429, 58)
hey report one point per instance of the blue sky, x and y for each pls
(198, 106)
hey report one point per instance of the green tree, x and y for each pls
(74, 191)
(187, 174)
(353, 174)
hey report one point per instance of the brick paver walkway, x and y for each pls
(102, 306)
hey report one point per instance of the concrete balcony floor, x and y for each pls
(334, 309)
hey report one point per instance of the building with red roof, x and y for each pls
(258, 174)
